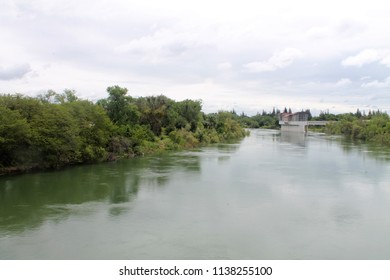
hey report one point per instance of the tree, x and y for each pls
(48, 97)
(307, 111)
(358, 114)
(190, 111)
(154, 112)
(56, 136)
(95, 126)
(67, 96)
(119, 106)
(15, 137)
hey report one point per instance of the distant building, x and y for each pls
(294, 117)
(296, 122)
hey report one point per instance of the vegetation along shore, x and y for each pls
(56, 130)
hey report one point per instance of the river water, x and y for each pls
(271, 196)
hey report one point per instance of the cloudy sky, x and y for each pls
(243, 55)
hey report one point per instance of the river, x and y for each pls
(270, 196)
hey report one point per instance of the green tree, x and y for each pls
(15, 138)
(66, 97)
(154, 112)
(95, 129)
(190, 112)
(120, 107)
(56, 136)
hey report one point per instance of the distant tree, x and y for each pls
(48, 97)
(68, 95)
(309, 114)
(358, 114)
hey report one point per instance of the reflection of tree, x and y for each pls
(121, 192)
(228, 148)
(26, 201)
(222, 159)
(374, 151)
(117, 210)
(163, 166)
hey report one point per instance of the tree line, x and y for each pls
(373, 127)
(55, 130)
(269, 120)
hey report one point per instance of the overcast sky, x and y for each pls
(243, 55)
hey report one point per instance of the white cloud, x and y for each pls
(343, 82)
(224, 66)
(161, 45)
(368, 56)
(285, 57)
(364, 57)
(386, 58)
(278, 60)
(14, 71)
(377, 84)
(259, 67)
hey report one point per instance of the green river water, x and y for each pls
(271, 196)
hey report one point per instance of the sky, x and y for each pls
(243, 55)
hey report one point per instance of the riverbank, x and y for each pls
(54, 130)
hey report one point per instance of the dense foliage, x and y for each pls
(374, 127)
(55, 130)
(268, 120)
(263, 120)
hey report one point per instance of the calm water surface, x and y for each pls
(271, 196)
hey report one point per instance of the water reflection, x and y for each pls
(370, 150)
(157, 170)
(345, 216)
(223, 159)
(27, 201)
(271, 197)
(125, 191)
(294, 138)
(118, 210)
(228, 148)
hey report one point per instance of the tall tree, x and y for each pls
(120, 107)
(154, 112)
